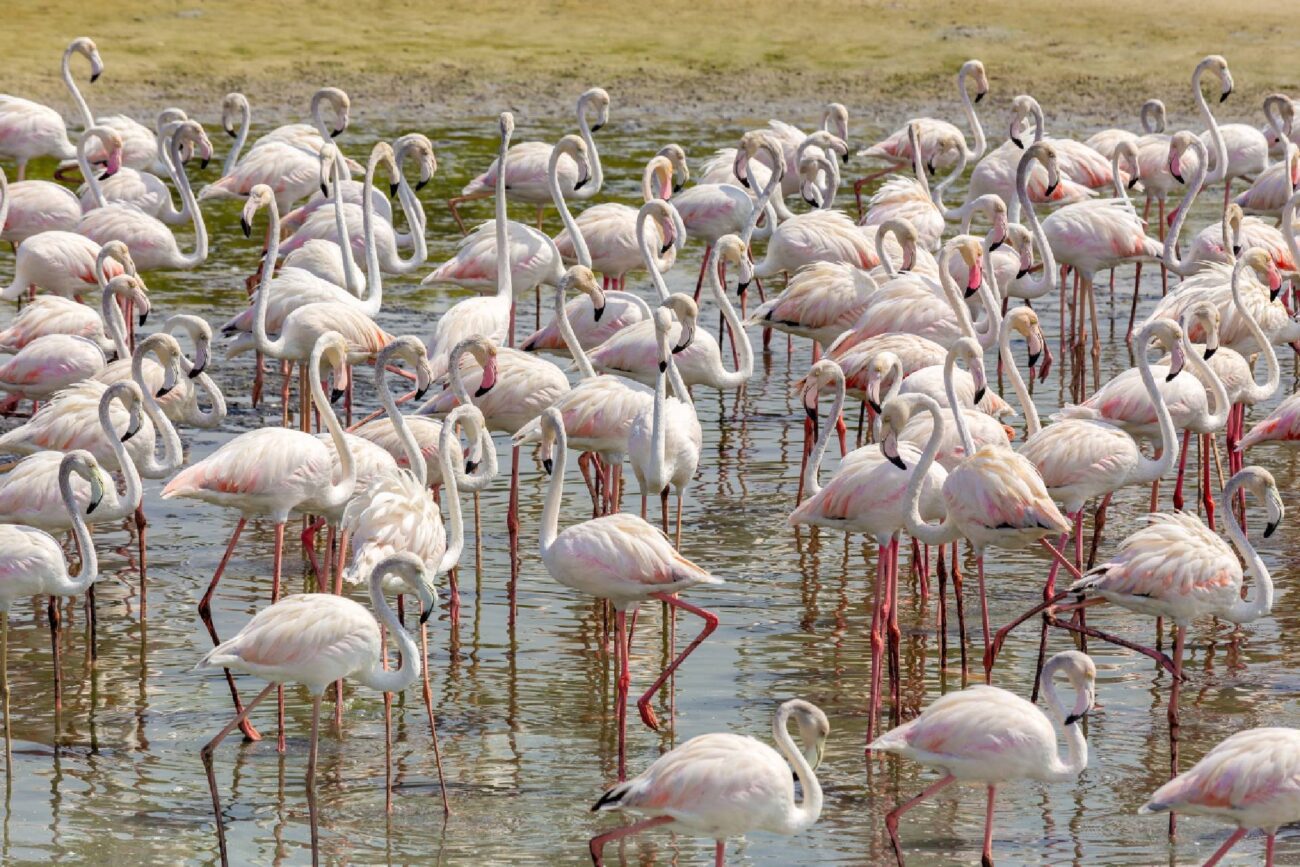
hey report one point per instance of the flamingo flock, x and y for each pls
(900, 304)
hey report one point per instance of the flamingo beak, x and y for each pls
(979, 393)
(1015, 139)
(1227, 93)
(663, 365)
(1209, 352)
(246, 226)
(421, 184)
(980, 95)
(393, 188)
(1022, 272)
(897, 461)
(335, 394)
(1033, 358)
(324, 190)
(419, 393)
(1051, 188)
(741, 287)
(142, 317)
(203, 163)
(1271, 528)
(548, 465)
(1075, 717)
(335, 133)
(470, 467)
(230, 132)
(598, 312)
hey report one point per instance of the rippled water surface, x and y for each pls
(525, 712)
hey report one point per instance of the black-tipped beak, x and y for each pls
(335, 394)
(421, 184)
(875, 406)
(1132, 182)
(426, 614)
(1170, 376)
(164, 391)
(142, 318)
(93, 504)
(968, 292)
(548, 465)
(929, 167)
(105, 176)
(1270, 529)
(230, 132)
(897, 461)
(126, 436)
(470, 467)
(663, 366)
(419, 392)
(1022, 272)
(246, 226)
(665, 248)
(197, 370)
(1075, 717)
(228, 330)
(1209, 352)
(740, 288)
(597, 127)
(1273, 293)
(392, 189)
(1178, 178)
(1225, 95)
(681, 347)
(811, 412)
(994, 246)
(744, 182)
(1017, 142)
(335, 133)
(677, 187)
(1051, 188)
(844, 159)
(94, 76)
(979, 393)
(1236, 249)
(324, 190)
(980, 95)
(809, 202)
(598, 312)
(580, 184)
(480, 391)
(1033, 358)
(203, 163)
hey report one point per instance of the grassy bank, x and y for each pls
(458, 58)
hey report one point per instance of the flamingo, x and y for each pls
(710, 210)
(55, 314)
(722, 785)
(1079, 162)
(152, 244)
(664, 444)
(621, 558)
(29, 129)
(1152, 118)
(31, 564)
(987, 735)
(787, 138)
(1237, 150)
(632, 352)
(32, 207)
(309, 138)
(145, 190)
(62, 263)
(271, 472)
(610, 230)
(1269, 191)
(532, 253)
(865, 495)
(526, 167)
(1249, 779)
(913, 199)
(315, 639)
(1223, 241)
(1177, 567)
(896, 149)
(492, 316)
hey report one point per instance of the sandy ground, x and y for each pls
(1093, 60)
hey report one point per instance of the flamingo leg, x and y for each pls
(1180, 636)
(277, 562)
(433, 722)
(719, 853)
(1207, 495)
(1182, 469)
(710, 624)
(597, 844)
(877, 642)
(52, 611)
(1132, 310)
(699, 281)
(624, 681)
(311, 778)
(895, 636)
(986, 860)
(240, 720)
(205, 613)
(1227, 844)
(984, 610)
(892, 817)
(1269, 842)
(941, 575)
(141, 529)
(1163, 659)
(961, 609)
(512, 525)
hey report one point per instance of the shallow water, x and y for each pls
(525, 712)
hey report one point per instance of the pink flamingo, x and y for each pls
(1153, 119)
(152, 244)
(610, 229)
(145, 190)
(896, 149)
(1225, 240)
(722, 785)
(913, 199)
(29, 129)
(526, 166)
(1176, 567)
(271, 472)
(865, 496)
(316, 639)
(1271, 188)
(1281, 425)
(236, 120)
(63, 263)
(32, 564)
(787, 138)
(986, 735)
(32, 207)
(1238, 150)
(710, 210)
(1249, 779)
(621, 558)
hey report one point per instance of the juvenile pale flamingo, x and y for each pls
(526, 166)
(664, 444)
(271, 472)
(315, 639)
(988, 736)
(722, 785)
(620, 558)
(29, 129)
(866, 495)
(32, 564)
(1176, 567)
(1251, 778)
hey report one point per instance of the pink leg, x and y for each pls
(240, 720)
(719, 853)
(205, 614)
(597, 844)
(624, 680)
(895, 638)
(1227, 844)
(512, 525)
(277, 562)
(891, 818)
(984, 610)
(309, 548)
(877, 642)
(987, 859)
(1207, 494)
(1180, 636)
(710, 624)
(1269, 842)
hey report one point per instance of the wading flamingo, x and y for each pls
(29, 129)
(620, 558)
(32, 207)
(723, 785)
(988, 736)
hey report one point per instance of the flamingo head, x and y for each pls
(676, 156)
(233, 109)
(893, 418)
(417, 146)
(1202, 319)
(575, 149)
(1081, 672)
(688, 314)
(974, 70)
(884, 375)
(598, 99)
(260, 196)
(85, 46)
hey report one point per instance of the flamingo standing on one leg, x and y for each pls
(621, 558)
(986, 735)
(722, 785)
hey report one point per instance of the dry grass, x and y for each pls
(1086, 56)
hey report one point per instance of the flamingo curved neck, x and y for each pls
(64, 584)
(1246, 610)
(580, 250)
(765, 197)
(1150, 469)
(593, 155)
(1172, 259)
(1076, 744)
(245, 121)
(182, 181)
(374, 273)
(1032, 422)
(114, 320)
(87, 172)
(505, 288)
(804, 814)
(745, 350)
(972, 118)
(397, 679)
(87, 118)
(173, 457)
(1216, 135)
(278, 347)
(414, 457)
(928, 534)
(648, 255)
(451, 484)
(554, 492)
(210, 418)
(941, 189)
(416, 221)
(1046, 281)
(958, 411)
(585, 370)
(1212, 420)
(1257, 392)
(811, 482)
(337, 494)
(134, 491)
